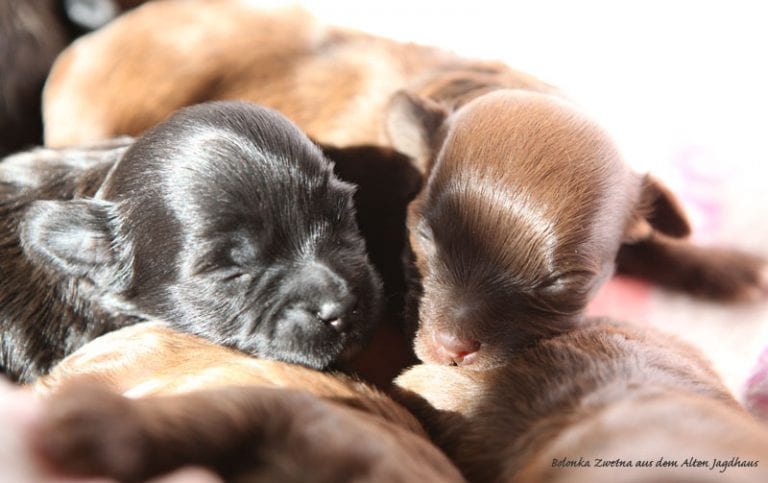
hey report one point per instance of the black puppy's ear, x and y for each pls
(74, 238)
(413, 124)
(658, 210)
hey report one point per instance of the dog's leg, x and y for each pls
(92, 432)
(265, 434)
(715, 273)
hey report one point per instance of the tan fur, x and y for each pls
(151, 359)
(199, 403)
(334, 83)
(606, 390)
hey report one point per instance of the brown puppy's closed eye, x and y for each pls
(521, 221)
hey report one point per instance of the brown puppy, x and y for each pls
(603, 403)
(245, 418)
(341, 87)
(521, 221)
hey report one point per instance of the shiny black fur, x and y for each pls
(224, 220)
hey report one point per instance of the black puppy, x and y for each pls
(225, 220)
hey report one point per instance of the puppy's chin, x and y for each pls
(320, 360)
(317, 347)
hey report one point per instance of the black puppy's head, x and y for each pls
(228, 222)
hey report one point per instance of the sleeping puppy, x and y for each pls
(518, 225)
(522, 221)
(225, 220)
(342, 87)
(204, 404)
(605, 402)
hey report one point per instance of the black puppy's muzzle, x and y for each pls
(319, 295)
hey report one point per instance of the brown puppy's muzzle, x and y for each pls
(455, 350)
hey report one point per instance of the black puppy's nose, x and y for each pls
(335, 312)
(326, 295)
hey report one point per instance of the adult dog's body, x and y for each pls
(203, 404)
(224, 220)
(607, 394)
(336, 84)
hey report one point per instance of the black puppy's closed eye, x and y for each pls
(219, 267)
(230, 259)
(567, 292)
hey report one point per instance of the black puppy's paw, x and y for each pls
(88, 431)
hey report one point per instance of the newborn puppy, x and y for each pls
(248, 419)
(605, 402)
(225, 220)
(522, 221)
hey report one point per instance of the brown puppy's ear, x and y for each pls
(413, 124)
(654, 250)
(658, 210)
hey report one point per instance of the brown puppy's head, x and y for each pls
(526, 205)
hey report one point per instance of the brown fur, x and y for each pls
(606, 391)
(203, 404)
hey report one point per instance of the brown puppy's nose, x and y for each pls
(455, 348)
